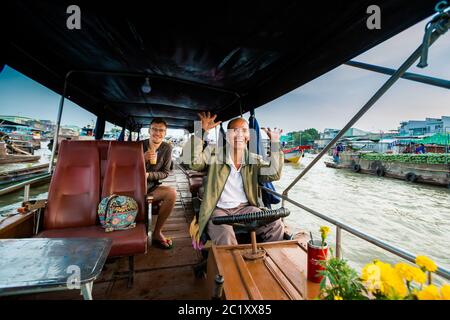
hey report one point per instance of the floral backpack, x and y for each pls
(117, 212)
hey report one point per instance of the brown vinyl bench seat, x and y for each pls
(123, 242)
(82, 177)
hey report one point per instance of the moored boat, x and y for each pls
(10, 176)
(18, 156)
(429, 168)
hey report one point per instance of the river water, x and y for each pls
(414, 217)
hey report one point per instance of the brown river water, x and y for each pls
(414, 217)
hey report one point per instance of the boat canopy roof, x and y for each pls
(438, 138)
(222, 56)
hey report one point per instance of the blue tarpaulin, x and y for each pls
(256, 147)
(122, 135)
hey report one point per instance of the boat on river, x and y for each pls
(17, 175)
(293, 155)
(229, 60)
(12, 153)
(418, 168)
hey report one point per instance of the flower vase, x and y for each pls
(316, 253)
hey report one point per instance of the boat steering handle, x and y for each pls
(263, 216)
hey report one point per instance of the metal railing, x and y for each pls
(24, 184)
(342, 226)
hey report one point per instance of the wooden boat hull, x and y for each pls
(14, 158)
(22, 174)
(331, 164)
(433, 174)
(293, 157)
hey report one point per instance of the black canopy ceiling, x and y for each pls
(222, 56)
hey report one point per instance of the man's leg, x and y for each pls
(273, 231)
(168, 197)
(221, 234)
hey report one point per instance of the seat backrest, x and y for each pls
(74, 191)
(125, 173)
(103, 147)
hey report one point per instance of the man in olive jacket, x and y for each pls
(232, 181)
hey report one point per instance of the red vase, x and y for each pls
(316, 253)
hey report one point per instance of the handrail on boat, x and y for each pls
(22, 184)
(377, 242)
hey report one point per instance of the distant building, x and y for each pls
(17, 119)
(74, 129)
(329, 134)
(429, 126)
(44, 125)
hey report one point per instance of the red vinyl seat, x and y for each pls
(75, 192)
(195, 183)
(103, 147)
(125, 175)
(124, 242)
(193, 174)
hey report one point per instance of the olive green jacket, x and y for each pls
(255, 170)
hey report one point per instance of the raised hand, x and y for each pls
(274, 135)
(208, 120)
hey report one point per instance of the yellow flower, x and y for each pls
(324, 231)
(338, 298)
(426, 263)
(371, 276)
(393, 285)
(430, 292)
(410, 273)
(445, 292)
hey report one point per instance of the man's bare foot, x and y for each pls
(163, 242)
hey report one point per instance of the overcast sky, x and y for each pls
(326, 102)
(332, 99)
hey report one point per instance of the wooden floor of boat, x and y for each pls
(160, 274)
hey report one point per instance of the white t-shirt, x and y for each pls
(233, 193)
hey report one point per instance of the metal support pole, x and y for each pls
(218, 287)
(86, 290)
(26, 193)
(338, 242)
(58, 124)
(407, 75)
(384, 88)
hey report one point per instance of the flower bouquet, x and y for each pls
(381, 281)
